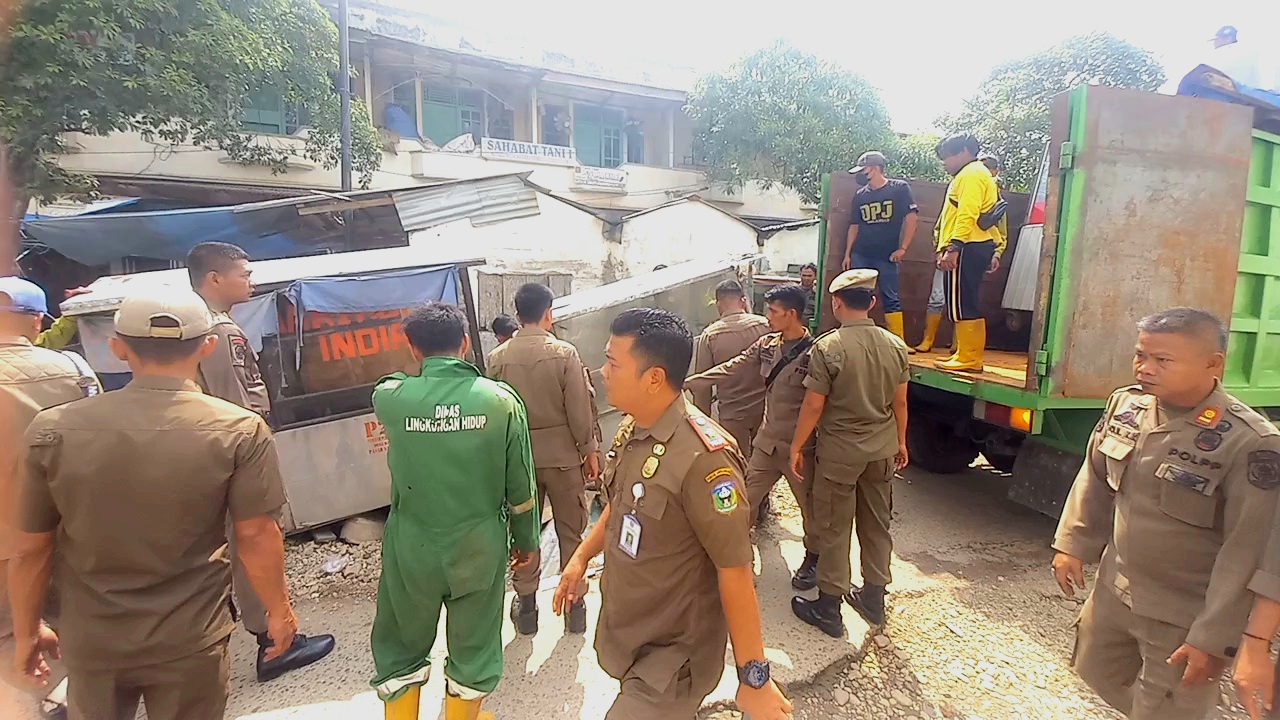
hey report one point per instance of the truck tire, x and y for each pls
(1001, 461)
(936, 448)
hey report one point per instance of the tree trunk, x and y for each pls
(13, 206)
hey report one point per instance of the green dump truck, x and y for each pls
(1152, 201)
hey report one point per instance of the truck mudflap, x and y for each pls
(1042, 477)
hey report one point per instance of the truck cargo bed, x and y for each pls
(1004, 368)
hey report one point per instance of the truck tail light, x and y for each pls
(1005, 416)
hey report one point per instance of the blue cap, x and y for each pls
(24, 296)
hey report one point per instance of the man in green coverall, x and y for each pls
(461, 472)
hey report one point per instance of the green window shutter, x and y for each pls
(611, 138)
(587, 129)
(264, 112)
(440, 116)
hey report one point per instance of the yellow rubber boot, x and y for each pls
(455, 708)
(893, 323)
(971, 340)
(404, 707)
(931, 324)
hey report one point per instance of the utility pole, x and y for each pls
(344, 91)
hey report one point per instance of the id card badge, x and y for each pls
(629, 542)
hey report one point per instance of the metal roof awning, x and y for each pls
(288, 227)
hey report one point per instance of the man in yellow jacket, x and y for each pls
(966, 251)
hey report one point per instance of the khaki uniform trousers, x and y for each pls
(763, 472)
(191, 688)
(1122, 657)
(638, 700)
(744, 431)
(568, 494)
(249, 609)
(842, 495)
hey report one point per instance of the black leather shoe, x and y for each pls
(823, 613)
(524, 614)
(575, 620)
(304, 651)
(806, 577)
(869, 602)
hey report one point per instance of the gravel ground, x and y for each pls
(977, 630)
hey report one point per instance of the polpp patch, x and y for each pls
(1208, 440)
(239, 351)
(725, 497)
(1264, 469)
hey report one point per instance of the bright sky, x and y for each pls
(925, 56)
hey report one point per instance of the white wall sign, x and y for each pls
(527, 152)
(606, 179)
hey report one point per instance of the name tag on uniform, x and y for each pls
(629, 541)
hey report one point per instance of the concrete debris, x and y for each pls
(363, 529)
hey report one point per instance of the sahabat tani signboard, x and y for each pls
(528, 152)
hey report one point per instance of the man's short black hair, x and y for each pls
(659, 339)
(810, 266)
(504, 326)
(790, 296)
(436, 328)
(163, 351)
(958, 143)
(729, 289)
(533, 300)
(991, 160)
(857, 298)
(1187, 321)
(210, 257)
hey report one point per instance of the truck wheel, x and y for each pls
(934, 447)
(1001, 461)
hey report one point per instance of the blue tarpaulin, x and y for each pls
(268, 232)
(374, 293)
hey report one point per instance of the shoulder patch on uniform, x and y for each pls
(710, 436)
(725, 497)
(719, 473)
(1264, 469)
(1258, 422)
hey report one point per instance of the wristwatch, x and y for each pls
(755, 674)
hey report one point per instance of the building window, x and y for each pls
(266, 112)
(555, 125)
(449, 112)
(502, 123)
(597, 135)
(635, 142)
(401, 112)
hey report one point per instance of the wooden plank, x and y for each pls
(345, 206)
(1003, 368)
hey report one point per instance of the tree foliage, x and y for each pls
(915, 157)
(1010, 111)
(784, 117)
(174, 71)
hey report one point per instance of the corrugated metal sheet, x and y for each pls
(1020, 290)
(484, 202)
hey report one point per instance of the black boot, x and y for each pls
(823, 613)
(304, 651)
(524, 614)
(575, 618)
(869, 602)
(806, 577)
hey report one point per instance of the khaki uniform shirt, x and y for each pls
(661, 608)
(138, 485)
(549, 376)
(782, 399)
(1178, 508)
(31, 379)
(741, 396)
(231, 371)
(859, 368)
